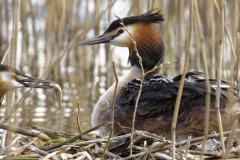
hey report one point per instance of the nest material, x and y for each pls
(50, 144)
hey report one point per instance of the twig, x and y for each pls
(78, 119)
(113, 103)
(179, 95)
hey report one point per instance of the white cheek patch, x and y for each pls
(5, 76)
(8, 82)
(15, 84)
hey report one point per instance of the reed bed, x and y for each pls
(40, 38)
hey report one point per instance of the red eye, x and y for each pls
(120, 31)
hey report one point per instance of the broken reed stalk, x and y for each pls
(187, 146)
(112, 113)
(219, 75)
(208, 88)
(179, 95)
(78, 118)
(231, 136)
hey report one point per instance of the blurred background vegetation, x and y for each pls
(40, 38)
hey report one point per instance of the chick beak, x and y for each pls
(34, 82)
(97, 40)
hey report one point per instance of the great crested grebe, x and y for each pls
(158, 96)
(11, 78)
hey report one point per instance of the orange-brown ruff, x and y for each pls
(158, 96)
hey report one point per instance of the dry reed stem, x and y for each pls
(11, 61)
(226, 30)
(78, 119)
(230, 137)
(7, 52)
(187, 147)
(208, 88)
(238, 61)
(219, 75)
(179, 95)
(235, 123)
(113, 107)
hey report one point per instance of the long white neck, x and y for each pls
(106, 99)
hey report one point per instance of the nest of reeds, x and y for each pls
(51, 144)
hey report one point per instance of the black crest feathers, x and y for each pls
(152, 16)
